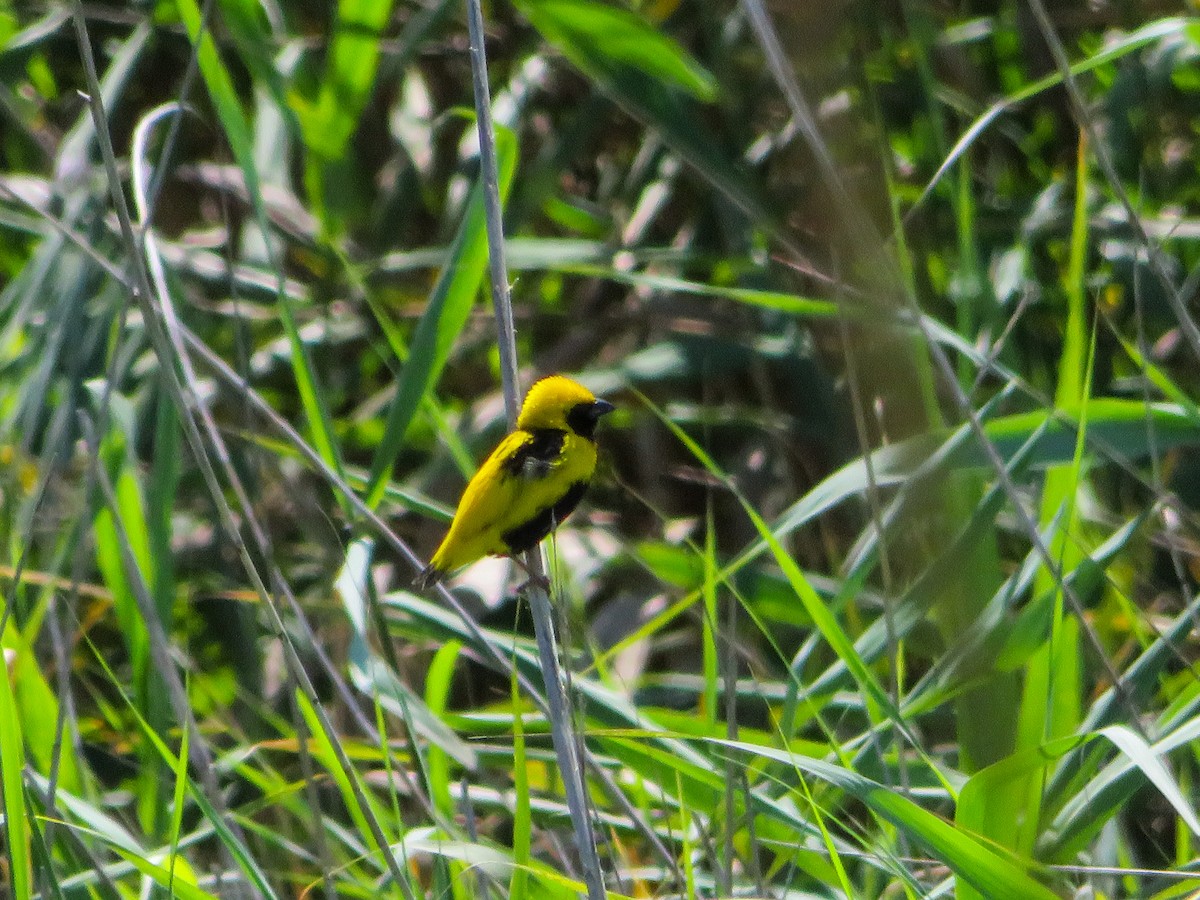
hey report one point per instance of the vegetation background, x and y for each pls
(887, 585)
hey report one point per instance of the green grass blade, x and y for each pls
(438, 681)
(444, 317)
(166, 878)
(603, 705)
(329, 123)
(779, 301)
(12, 765)
(1113, 425)
(821, 616)
(324, 752)
(250, 30)
(176, 823)
(993, 875)
(518, 885)
(1112, 51)
(596, 37)
(349, 76)
(1050, 705)
(659, 104)
(1082, 815)
(237, 132)
(241, 854)
(38, 707)
(374, 677)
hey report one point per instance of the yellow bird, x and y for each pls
(531, 481)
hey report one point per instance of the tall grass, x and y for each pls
(886, 585)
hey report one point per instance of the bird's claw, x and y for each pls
(533, 581)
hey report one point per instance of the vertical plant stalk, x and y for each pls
(561, 716)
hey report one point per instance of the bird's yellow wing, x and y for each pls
(528, 484)
(485, 504)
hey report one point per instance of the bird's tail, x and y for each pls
(429, 576)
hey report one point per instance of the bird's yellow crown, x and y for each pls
(549, 402)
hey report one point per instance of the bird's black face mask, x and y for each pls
(583, 417)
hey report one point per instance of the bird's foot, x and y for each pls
(428, 577)
(533, 581)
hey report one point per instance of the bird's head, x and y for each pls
(559, 402)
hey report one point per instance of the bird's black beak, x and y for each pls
(601, 408)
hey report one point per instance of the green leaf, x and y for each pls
(780, 301)
(595, 36)
(1113, 50)
(237, 131)
(349, 76)
(1125, 428)
(179, 878)
(992, 798)
(1093, 806)
(248, 27)
(12, 764)
(992, 791)
(323, 753)
(518, 888)
(374, 678)
(331, 175)
(603, 705)
(647, 85)
(823, 618)
(988, 872)
(444, 317)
